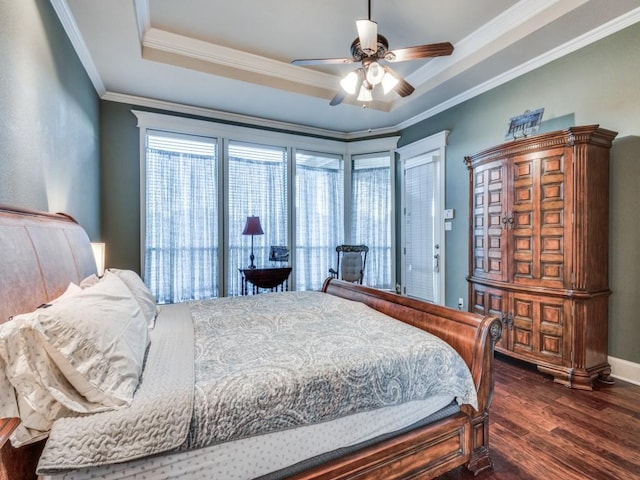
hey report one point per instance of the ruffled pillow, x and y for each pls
(83, 352)
(140, 292)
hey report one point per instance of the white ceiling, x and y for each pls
(231, 59)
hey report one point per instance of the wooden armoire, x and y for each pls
(539, 228)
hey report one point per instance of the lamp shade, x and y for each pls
(350, 82)
(99, 254)
(365, 94)
(375, 73)
(252, 227)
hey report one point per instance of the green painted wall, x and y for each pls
(120, 185)
(595, 85)
(49, 112)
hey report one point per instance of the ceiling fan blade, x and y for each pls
(337, 100)
(403, 88)
(368, 35)
(421, 51)
(322, 61)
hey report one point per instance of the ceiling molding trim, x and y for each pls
(71, 28)
(172, 123)
(371, 132)
(588, 38)
(229, 57)
(245, 119)
(508, 23)
(143, 17)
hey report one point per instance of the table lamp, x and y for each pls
(99, 254)
(252, 227)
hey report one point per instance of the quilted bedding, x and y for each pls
(257, 365)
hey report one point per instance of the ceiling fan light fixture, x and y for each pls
(375, 73)
(389, 82)
(350, 83)
(368, 48)
(365, 94)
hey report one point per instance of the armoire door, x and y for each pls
(540, 327)
(492, 301)
(536, 218)
(489, 227)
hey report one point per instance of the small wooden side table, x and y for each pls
(267, 278)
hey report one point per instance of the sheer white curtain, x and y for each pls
(371, 216)
(182, 213)
(319, 216)
(257, 186)
(181, 237)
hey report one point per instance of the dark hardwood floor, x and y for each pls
(544, 431)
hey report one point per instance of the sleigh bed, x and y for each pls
(241, 414)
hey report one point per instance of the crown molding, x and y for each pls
(143, 17)
(245, 119)
(172, 123)
(177, 50)
(71, 28)
(236, 59)
(588, 38)
(511, 25)
(227, 58)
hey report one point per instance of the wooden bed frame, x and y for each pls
(42, 253)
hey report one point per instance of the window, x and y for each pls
(371, 215)
(319, 216)
(201, 179)
(257, 186)
(181, 235)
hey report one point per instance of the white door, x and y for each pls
(421, 228)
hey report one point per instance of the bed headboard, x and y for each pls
(41, 253)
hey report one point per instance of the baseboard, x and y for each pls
(625, 370)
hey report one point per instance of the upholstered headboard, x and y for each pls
(40, 253)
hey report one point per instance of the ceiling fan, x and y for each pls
(369, 48)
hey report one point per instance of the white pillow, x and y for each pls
(82, 353)
(140, 292)
(89, 281)
(71, 290)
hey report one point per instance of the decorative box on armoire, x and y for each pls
(538, 259)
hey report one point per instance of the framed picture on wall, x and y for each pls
(278, 254)
(524, 125)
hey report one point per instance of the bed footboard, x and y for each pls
(471, 335)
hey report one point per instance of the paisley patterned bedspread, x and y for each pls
(277, 361)
(230, 368)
